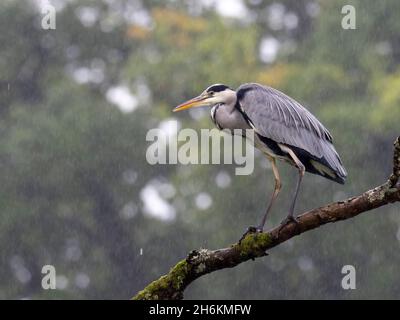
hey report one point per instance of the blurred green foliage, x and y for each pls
(72, 163)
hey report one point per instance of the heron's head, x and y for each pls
(215, 94)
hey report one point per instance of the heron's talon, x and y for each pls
(289, 219)
(249, 231)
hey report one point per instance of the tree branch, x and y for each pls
(254, 245)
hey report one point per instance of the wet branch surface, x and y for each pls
(254, 245)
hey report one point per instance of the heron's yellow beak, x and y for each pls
(195, 102)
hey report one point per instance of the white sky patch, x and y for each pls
(139, 17)
(122, 97)
(166, 190)
(62, 282)
(276, 13)
(291, 21)
(57, 4)
(143, 92)
(88, 16)
(203, 201)
(279, 18)
(223, 179)
(20, 271)
(198, 113)
(82, 280)
(383, 48)
(81, 75)
(155, 206)
(228, 8)
(85, 75)
(169, 127)
(269, 48)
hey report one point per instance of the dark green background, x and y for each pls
(70, 161)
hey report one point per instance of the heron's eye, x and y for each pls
(211, 93)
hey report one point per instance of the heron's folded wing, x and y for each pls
(278, 117)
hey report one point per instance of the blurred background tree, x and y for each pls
(77, 102)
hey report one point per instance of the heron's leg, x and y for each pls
(302, 170)
(277, 188)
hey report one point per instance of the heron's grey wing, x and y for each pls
(278, 117)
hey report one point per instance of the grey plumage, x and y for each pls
(276, 116)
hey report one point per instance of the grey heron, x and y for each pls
(283, 130)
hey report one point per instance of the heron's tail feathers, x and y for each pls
(326, 171)
(333, 162)
(329, 165)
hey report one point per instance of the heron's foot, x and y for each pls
(249, 231)
(289, 219)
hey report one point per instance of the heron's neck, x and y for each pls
(227, 116)
(230, 100)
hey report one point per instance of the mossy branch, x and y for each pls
(254, 245)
